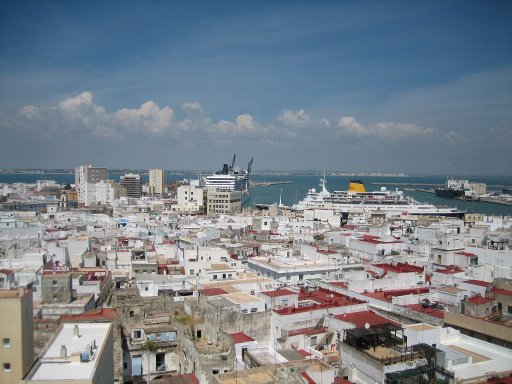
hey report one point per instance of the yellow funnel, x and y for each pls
(356, 186)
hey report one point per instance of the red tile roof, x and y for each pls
(467, 254)
(479, 300)
(303, 353)
(501, 291)
(400, 267)
(477, 282)
(6, 272)
(322, 298)
(212, 291)
(188, 378)
(308, 378)
(341, 380)
(96, 314)
(279, 292)
(241, 337)
(449, 270)
(307, 331)
(360, 319)
(429, 311)
(339, 284)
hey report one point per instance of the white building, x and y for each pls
(190, 198)
(84, 174)
(78, 353)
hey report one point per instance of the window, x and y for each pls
(244, 310)
(214, 277)
(313, 340)
(7, 342)
(7, 367)
(191, 272)
(137, 334)
(253, 310)
(125, 365)
(131, 313)
(54, 283)
(146, 289)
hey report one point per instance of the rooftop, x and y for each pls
(320, 298)
(479, 300)
(467, 254)
(428, 311)
(360, 319)
(53, 367)
(241, 337)
(212, 291)
(241, 297)
(480, 283)
(94, 315)
(279, 292)
(400, 267)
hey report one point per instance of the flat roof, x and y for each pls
(451, 290)
(52, 367)
(241, 337)
(279, 292)
(241, 297)
(421, 327)
(360, 319)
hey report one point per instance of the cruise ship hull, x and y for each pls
(357, 201)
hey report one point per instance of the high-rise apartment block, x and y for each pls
(131, 183)
(16, 334)
(156, 182)
(86, 174)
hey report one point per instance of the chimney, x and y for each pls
(63, 351)
(76, 332)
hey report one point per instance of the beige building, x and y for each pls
(156, 182)
(80, 353)
(223, 202)
(16, 334)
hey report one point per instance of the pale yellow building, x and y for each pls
(16, 334)
(156, 182)
(223, 202)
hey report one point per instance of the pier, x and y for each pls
(267, 183)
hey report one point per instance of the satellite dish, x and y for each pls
(367, 325)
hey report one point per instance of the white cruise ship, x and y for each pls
(357, 200)
(221, 182)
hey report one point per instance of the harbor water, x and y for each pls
(297, 186)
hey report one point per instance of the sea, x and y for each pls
(293, 187)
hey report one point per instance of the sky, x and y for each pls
(421, 87)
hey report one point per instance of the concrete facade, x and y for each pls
(16, 334)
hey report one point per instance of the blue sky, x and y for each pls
(416, 87)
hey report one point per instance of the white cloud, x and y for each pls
(148, 118)
(388, 130)
(81, 113)
(455, 138)
(244, 124)
(325, 123)
(298, 118)
(30, 112)
(192, 106)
